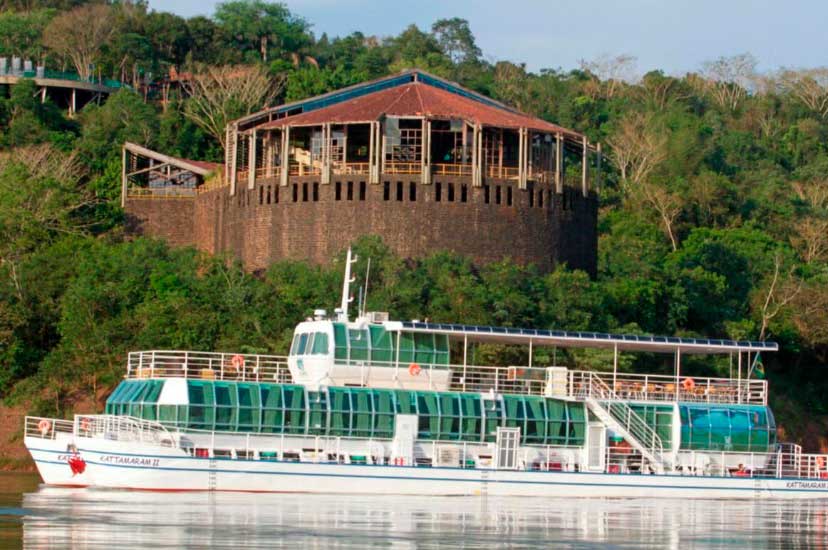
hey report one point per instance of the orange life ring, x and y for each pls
(414, 369)
(237, 362)
(688, 384)
(820, 462)
(44, 426)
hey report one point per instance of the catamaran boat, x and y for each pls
(397, 407)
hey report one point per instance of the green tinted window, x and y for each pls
(382, 345)
(358, 342)
(424, 349)
(340, 341)
(320, 344)
(406, 348)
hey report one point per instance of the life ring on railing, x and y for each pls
(820, 462)
(237, 362)
(688, 384)
(44, 426)
(85, 424)
(414, 369)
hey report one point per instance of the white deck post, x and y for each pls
(615, 365)
(465, 357)
(739, 380)
(678, 372)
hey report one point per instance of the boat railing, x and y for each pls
(123, 428)
(655, 387)
(243, 367)
(636, 426)
(47, 428)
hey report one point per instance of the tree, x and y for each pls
(611, 73)
(20, 33)
(639, 146)
(256, 24)
(810, 86)
(728, 79)
(79, 35)
(221, 94)
(456, 40)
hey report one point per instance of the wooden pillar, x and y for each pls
(73, 107)
(268, 152)
(559, 164)
(585, 167)
(479, 147)
(372, 155)
(43, 94)
(233, 144)
(426, 170)
(251, 160)
(123, 175)
(500, 153)
(476, 179)
(598, 162)
(327, 145)
(285, 167)
(383, 145)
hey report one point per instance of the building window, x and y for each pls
(295, 192)
(509, 195)
(412, 191)
(362, 190)
(399, 191)
(438, 192)
(386, 191)
(497, 194)
(276, 194)
(350, 190)
(451, 192)
(305, 192)
(268, 194)
(316, 191)
(464, 193)
(531, 197)
(261, 196)
(540, 199)
(486, 194)
(338, 192)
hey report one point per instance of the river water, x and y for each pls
(32, 516)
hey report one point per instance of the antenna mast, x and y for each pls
(346, 284)
(364, 295)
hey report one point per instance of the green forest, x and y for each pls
(713, 207)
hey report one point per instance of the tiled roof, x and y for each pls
(418, 99)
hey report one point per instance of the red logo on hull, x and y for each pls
(76, 464)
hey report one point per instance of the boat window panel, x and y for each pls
(577, 424)
(535, 410)
(149, 398)
(514, 415)
(493, 410)
(472, 421)
(450, 416)
(428, 409)
(557, 430)
(406, 402)
(382, 345)
(317, 413)
(340, 405)
(340, 341)
(424, 349)
(294, 397)
(384, 410)
(363, 412)
(226, 405)
(201, 409)
(294, 346)
(441, 349)
(249, 408)
(303, 344)
(320, 344)
(358, 343)
(272, 416)
(406, 348)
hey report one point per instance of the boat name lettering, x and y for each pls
(807, 485)
(130, 460)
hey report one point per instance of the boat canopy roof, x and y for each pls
(573, 339)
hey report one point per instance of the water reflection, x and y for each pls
(108, 519)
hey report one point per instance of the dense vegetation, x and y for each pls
(714, 216)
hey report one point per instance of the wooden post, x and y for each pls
(251, 160)
(327, 144)
(123, 175)
(479, 148)
(559, 164)
(372, 155)
(268, 151)
(383, 144)
(500, 154)
(285, 167)
(233, 143)
(73, 106)
(598, 163)
(585, 167)
(426, 170)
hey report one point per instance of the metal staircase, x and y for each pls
(621, 419)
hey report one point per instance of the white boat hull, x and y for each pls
(113, 464)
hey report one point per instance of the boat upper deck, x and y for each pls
(521, 380)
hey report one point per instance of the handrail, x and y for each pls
(202, 365)
(47, 428)
(123, 428)
(655, 387)
(628, 418)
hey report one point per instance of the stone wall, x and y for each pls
(307, 220)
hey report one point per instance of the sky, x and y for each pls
(675, 36)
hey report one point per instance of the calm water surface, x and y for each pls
(38, 517)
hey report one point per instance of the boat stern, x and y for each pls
(51, 444)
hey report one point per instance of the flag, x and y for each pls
(758, 368)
